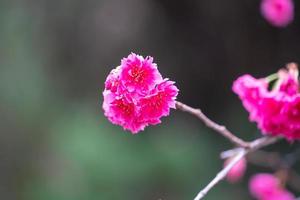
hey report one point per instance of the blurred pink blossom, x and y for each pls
(251, 91)
(275, 107)
(280, 194)
(279, 13)
(136, 95)
(262, 185)
(267, 187)
(237, 172)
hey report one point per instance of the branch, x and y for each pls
(240, 153)
(211, 124)
(221, 175)
(294, 180)
(266, 159)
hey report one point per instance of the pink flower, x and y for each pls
(263, 185)
(270, 118)
(267, 187)
(135, 94)
(238, 170)
(139, 74)
(280, 195)
(292, 113)
(112, 80)
(275, 107)
(279, 13)
(159, 101)
(288, 80)
(250, 91)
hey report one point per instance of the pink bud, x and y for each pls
(279, 13)
(262, 185)
(280, 194)
(238, 170)
(267, 187)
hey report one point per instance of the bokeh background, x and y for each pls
(55, 142)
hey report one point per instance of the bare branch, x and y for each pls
(243, 147)
(211, 124)
(294, 180)
(221, 175)
(265, 159)
(240, 153)
(230, 153)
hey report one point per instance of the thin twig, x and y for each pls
(243, 147)
(211, 124)
(230, 153)
(241, 152)
(294, 180)
(221, 175)
(265, 159)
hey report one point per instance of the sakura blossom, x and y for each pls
(266, 186)
(139, 74)
(136, 95)
(279, 13)
(273, 104)
(237, 171)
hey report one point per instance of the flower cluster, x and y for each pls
(278, 12)
(136, 95)
(267, 187)
(273, 104)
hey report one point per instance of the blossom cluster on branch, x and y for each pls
(136, 95)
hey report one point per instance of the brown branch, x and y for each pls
(211, 124)
(222, 174)
(240, 153)
(265, 159)
(243, 149)
(294, 179)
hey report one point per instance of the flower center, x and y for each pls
(124, 107)
(137, 74)
(278, 6)
(158, 100)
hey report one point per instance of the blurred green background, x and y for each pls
(54, 58)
